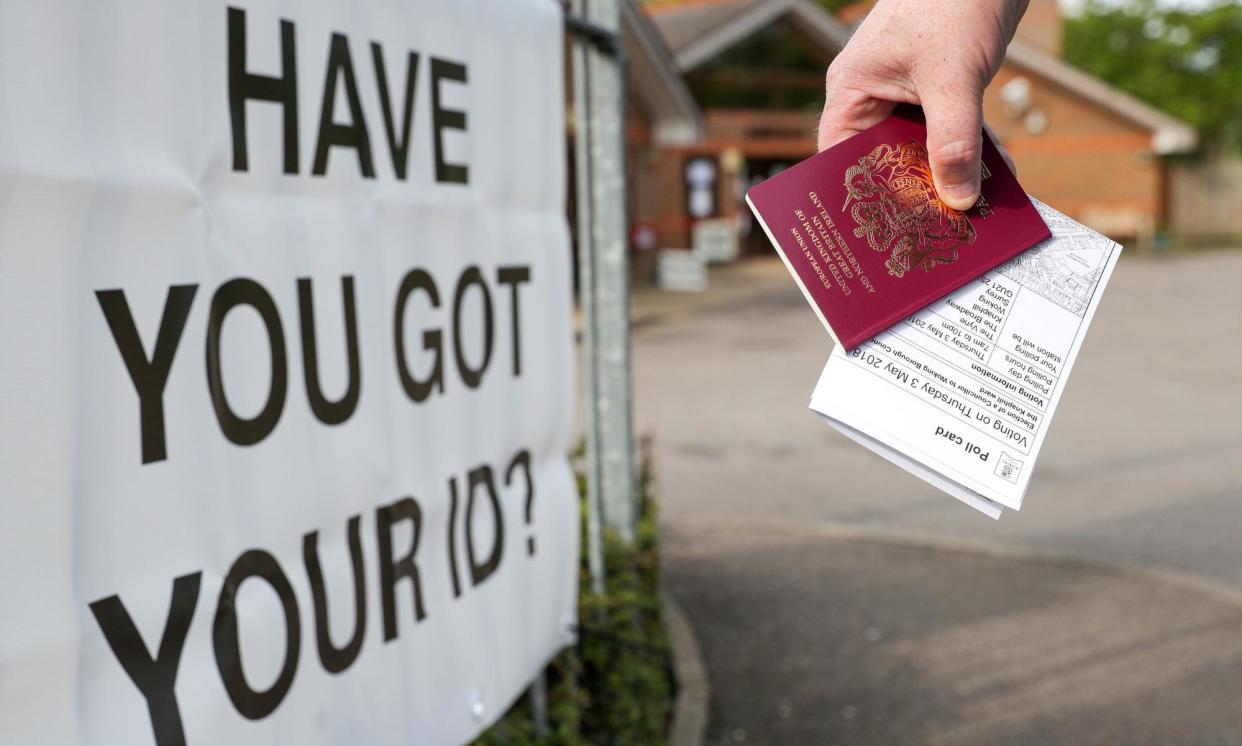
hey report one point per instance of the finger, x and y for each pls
(954, 141)
(1013, 169)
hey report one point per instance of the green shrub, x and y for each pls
(615, 685)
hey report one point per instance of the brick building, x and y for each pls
(752, 71)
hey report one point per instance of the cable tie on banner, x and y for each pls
(606, 41)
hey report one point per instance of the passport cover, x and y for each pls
(867, 239)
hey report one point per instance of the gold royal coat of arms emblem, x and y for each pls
(896, 208)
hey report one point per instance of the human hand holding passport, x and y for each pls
(868, 240)
(956, 331)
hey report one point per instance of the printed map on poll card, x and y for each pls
(961, 393)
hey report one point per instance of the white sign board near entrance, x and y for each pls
(286, 369)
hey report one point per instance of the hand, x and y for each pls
(939, 54)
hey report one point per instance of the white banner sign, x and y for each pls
(286, 369)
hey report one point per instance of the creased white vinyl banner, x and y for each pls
(286, 369)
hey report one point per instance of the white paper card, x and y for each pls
(961, 393)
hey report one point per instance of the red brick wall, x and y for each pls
(1089, 163)
(658, 198)
(1041, 26)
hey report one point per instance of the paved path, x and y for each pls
(821, 637)
(1142, 469)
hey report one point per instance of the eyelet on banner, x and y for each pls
(478, 709)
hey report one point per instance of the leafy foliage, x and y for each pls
(1188, 63)
(615, 686)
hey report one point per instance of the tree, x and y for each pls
(1187, 63)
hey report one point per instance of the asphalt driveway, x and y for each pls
(840, 600)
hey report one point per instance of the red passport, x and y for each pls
(868, 241)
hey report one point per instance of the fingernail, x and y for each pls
(960, 196)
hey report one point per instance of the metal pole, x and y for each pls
(604, 274)
(539, 705)
(603, 279)
(586, 299)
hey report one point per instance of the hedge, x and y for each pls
(615, 685)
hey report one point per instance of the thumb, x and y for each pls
(847, 114)
(955, 142)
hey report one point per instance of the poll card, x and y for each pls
(961, 393)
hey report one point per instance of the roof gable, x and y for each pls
(657, 83)
(698, 32)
